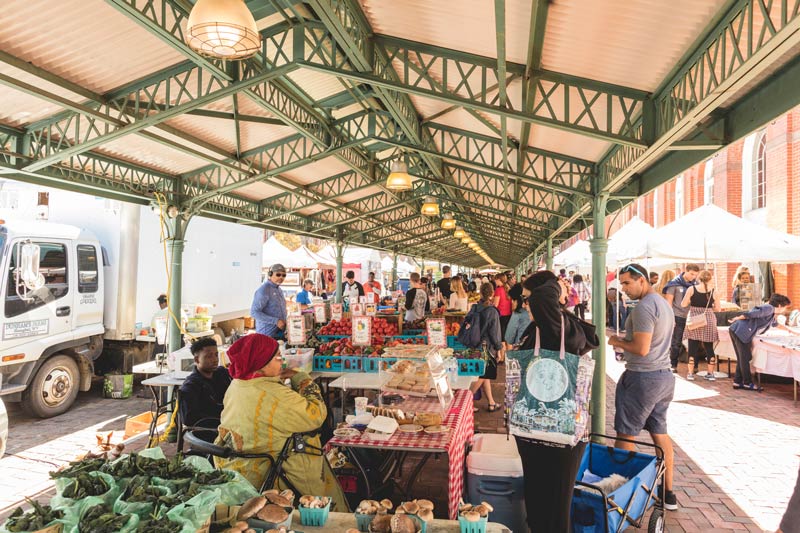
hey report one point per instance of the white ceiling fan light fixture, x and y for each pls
(223, 29)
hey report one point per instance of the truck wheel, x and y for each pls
(53, 389)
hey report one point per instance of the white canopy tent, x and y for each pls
(274, 252)
(577, 255)
(710, 234)
(325, 257)
(403, 266)
(629, 242)
(302, 258)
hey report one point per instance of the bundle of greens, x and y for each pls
(79, 467)
(214, 477)
(101, 519)
(37, 518)
(135, 464)
(158, 523)
(85, 485)
(139, 490)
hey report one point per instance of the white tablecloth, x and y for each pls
(773, 353)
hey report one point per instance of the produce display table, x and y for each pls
(459, 420)
(778, 355)
(339, 522)
(363, 381)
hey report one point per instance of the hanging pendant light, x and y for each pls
(224, 29)
(474, 245)
(466, 240)
(399, 179)
(459, 233)
(430, 208)
(448, 222)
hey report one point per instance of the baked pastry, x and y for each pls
(428, 419)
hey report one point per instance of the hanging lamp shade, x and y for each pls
(459, 233)
(224, 29)
(474, 245)
(466, 240)
(430, 208)
(449, 221)
(399, 179)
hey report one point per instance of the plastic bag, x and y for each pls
(60, 501)
(77, 511)
(234, 492)
(141, 509)
(66, 520)
(194, 513)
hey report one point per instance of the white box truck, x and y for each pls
(81, 285)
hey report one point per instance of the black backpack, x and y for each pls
(470, 333)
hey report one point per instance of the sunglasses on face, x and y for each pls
(280, 275)
(631, 268)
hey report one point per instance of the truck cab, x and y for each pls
(51, 324)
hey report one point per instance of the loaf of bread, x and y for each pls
(428, 419)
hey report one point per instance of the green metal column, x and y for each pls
(598, 246)
(549, 254)
(176, 244)
(339, 276)
(394, 272)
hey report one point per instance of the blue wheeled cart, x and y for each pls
(594, 510)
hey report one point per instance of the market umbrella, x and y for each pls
(710, 234)
(629, 243)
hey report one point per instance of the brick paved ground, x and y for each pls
(736, 452)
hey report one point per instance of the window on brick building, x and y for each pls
(759, 178)
(679, 196)
(708, 183)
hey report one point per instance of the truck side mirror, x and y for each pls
(28, 261)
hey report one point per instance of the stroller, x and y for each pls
(595, 510)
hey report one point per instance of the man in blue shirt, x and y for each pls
(269, 304)
(303, 298)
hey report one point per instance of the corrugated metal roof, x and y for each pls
(466, 25)
(634, 44)
(324, 168)
(137, 149)
(87, 42)
(258, 191)
(18, 108)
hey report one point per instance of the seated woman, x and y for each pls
(261, 413)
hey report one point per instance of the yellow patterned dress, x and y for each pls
(259, 415)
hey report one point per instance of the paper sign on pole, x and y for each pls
(320, 317)
(437, 332)
(362, 331)
(295, 332)
(336, 312)
(357, 309)
(371, 309)
(362, 299)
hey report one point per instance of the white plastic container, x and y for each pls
(302, 360)
(494, 475)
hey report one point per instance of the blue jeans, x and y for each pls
(676, 345)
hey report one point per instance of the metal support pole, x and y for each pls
(339, 277)
(176, 245)
(549, 257)
(599, 246)
(394, 272)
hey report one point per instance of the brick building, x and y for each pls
(757, 178)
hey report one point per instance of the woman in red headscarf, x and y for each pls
(260, 413)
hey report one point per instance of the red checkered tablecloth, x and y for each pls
(460, 421)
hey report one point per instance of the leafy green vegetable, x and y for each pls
(85, 485)
(101, 519)
(79, 467)
(37, 518)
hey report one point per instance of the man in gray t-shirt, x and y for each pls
(651, 315)
(645, 389)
